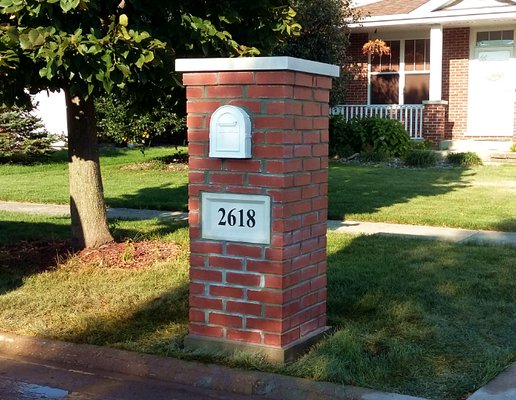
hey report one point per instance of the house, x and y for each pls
(450, 75)
(51, 109)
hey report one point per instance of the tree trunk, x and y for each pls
(87, 205)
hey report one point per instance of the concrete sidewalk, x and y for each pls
(351, 227)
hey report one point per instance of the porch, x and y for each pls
(421, 121)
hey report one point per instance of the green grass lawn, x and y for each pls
(476, 198)
(139, 187)
(417, 317)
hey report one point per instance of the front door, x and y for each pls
(491, 93)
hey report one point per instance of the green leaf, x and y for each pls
(67, 5)
(123, 20)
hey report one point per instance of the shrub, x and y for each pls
(377, 135)
(420, 158)
(346, 138)
(465, 159)
(23, 138)
(374, 156)
(422, 144)
(513, 147)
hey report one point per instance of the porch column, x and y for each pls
(436, 62)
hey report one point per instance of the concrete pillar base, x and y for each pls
(274, 354)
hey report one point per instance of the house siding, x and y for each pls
(356, 92)
(455, 80)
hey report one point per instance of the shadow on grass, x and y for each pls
(28, 248)
(161, 197)
(418, 317)
(508, 225)
(366, 189)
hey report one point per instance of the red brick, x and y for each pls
(197, 260)
(271, 181)
(205, 275)
(283, 166)
(204, 163)
(287, 225)
(273, 122)
(251, 106)
(304, 79)
(312, 164)
(265, 266)
(303, 93)
(239, 307)
(272, 340)
(272, 77)
(205, 303)
(195, 122)
(236, 77)
(311, 138)
(304, 150)
(312, 109)
(226, 291)
(225, 262)
(206, 247)
(265, 296)
(226, 178)
(198, 135)
(197, 316)
(197, 149)
(309, 327)
(323, 82)
(318, 283)
(199, 79)
(285, 196)
(244, 336)
(203, 330)
(193, 92)
(202, 106)
(322, 95)
(243, 279)
(243, 165)
(224, 91)
(303, 123)
(267, 325)
(270, 92)
(283, 137)
(225, 320)
(195, 189)
(196, 177)
(196, 288)
(273, 151)
(242, 250)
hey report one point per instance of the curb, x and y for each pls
(207, 376)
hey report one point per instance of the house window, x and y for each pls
(403, 77)
(495, 38)
(385, 75)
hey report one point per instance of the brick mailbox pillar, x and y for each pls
(257, 210)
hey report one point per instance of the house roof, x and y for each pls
(410, 13)
(391, 7)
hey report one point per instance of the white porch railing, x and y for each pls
(410, 115)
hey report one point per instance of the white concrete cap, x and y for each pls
(256, 64)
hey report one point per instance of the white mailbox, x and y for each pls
(230, 133)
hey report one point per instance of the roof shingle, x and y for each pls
(391, 7)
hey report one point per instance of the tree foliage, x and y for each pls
(94, 46)
(324, 36)
(23, 137)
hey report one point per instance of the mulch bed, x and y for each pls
(40, 256)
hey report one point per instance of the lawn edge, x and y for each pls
(208, 376)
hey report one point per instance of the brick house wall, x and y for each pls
(356, 92)
(455, 80)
